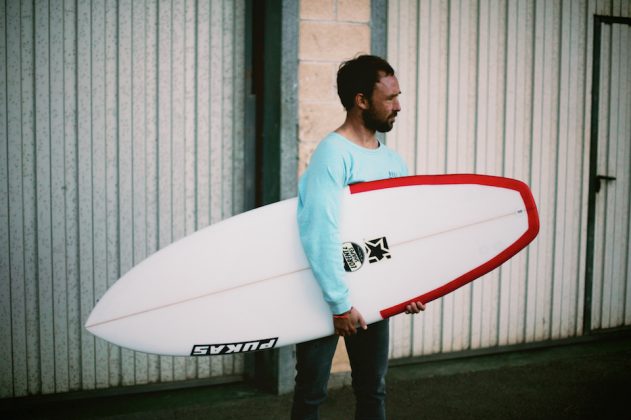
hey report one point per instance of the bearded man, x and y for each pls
(369, 91)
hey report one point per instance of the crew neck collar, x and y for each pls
(353, 144)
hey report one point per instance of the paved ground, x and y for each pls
(578, 381)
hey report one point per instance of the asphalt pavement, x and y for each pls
(585, 379)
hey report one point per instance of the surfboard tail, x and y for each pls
(529, 235)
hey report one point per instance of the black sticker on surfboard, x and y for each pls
(353, 256)
(377, 250)
(233, 348)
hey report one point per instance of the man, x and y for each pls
(369, 91)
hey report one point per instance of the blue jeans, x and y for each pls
(368, 354)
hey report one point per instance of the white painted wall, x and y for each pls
(503, 87)
(121, 131)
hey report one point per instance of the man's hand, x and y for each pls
(347, 325)
(414, 308)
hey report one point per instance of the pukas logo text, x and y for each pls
(232, 348)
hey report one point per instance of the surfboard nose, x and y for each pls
(101, 312)
(93, 318)
(101, 324)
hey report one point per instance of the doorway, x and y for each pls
(271, 153)
(271, 50)
(608, 275)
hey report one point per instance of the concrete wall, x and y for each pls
(331, 31)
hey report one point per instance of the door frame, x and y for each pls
(271, 97)
(599, 20)
(271, 157)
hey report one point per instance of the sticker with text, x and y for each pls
(377, 250)
(353, 256)
(233, 348)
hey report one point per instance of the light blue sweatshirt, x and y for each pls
(336, 163)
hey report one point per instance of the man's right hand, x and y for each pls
(345, 326)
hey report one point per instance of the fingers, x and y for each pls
(414, 308)
(348, 326)
(346, 330)
(362, 323)
(357, 318)
(344, 327)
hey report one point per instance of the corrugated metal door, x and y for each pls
(502, 87)
(611, 284)
(121, 130)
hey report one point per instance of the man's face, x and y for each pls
(384, 105)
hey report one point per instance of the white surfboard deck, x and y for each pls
(244, 284)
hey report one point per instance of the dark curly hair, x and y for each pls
(360, 75)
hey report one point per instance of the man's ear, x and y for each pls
(361, 101)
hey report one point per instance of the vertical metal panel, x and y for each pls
(17, 352)
(122, 132)
(569, 168)
(29, 196)
(542, 173)
(502, 87)
(290, 12)
(404, 43)
(84, 190)
(152, 62)
(139, 157)
(621, 167)
(124, 173)
(71, 200)
(43, 191)
(488, 147)
(188, 129)
(627, 134)
(461, 76)
(6, 373)
(203, 128)
(516, 162)
(59, 316)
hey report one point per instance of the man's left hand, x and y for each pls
(414, 308)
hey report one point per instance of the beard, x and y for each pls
(373, 122)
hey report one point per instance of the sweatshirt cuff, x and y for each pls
(340, 308)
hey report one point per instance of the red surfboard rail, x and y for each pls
(502, 257)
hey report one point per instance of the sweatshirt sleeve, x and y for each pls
(319, 195)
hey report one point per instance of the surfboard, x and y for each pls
(244, 284)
